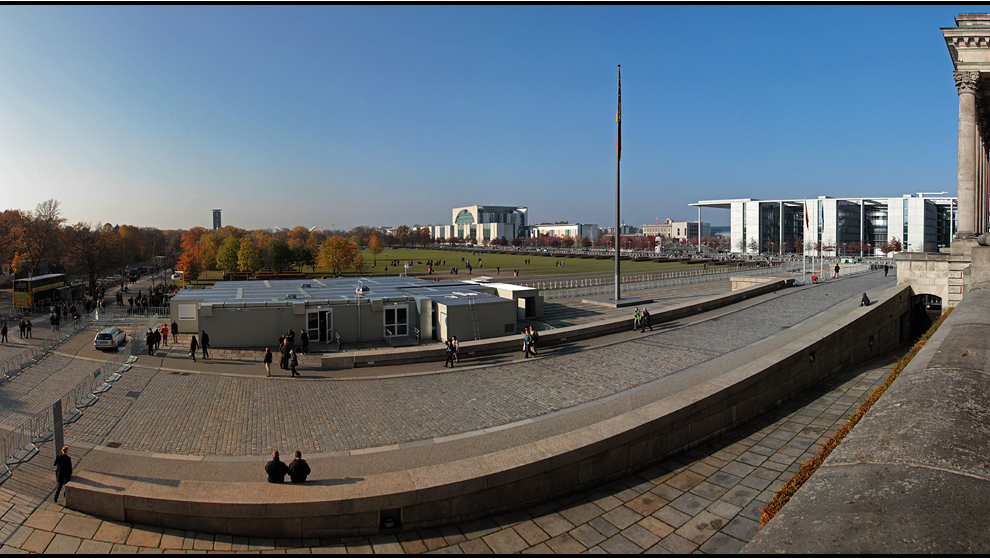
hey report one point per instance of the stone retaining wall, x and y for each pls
(511, 478)
(507, 344)
(913, 476)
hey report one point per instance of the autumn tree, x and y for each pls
(336, 254)
(247, 256)
(227, 255)
(893, 245)
(131, 244)
(41, 234)
(402, 234)
(753, 245)
(375, 246)
(11, 224)
(358, 264)
(92, 251)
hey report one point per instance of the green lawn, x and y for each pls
(540, 264)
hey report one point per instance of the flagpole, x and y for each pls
(618, 156)
(804, 243)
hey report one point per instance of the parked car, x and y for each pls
(110, 338)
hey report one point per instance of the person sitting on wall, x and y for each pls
(865, 302)
(298, 469)
(276, 469)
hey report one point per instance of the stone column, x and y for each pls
(966, 85)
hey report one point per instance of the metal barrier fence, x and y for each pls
(21, 444)
(596, 286)
(18, 362)
(109, 315)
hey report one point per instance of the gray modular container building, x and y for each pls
(403, 309)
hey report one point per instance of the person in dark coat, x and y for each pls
(268, 361)
(204, 342)
(298, 469)
(193, 346)
(284, 363)
(63, 470)
(3, 333)
(276, 469)
(293, 362)
(304, 339)
(175, 332)
(645, 321)
(150, 340)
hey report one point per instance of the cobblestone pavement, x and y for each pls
(229, 415)
(707, 500)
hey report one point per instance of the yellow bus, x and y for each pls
(39, 289)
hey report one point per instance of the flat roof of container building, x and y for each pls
(330, 290)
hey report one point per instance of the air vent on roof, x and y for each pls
(290, 296)
(306, 285)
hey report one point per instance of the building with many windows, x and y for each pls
(573, 230)
(484, 223)
(850, 226)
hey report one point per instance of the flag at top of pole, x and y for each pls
(807, 219)
(618, 118)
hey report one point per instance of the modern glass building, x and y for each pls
(839, 226)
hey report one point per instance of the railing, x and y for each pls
(595, 286)
(416, 335)
(387, 336)
(825, 274)
(21, 443)
(336, 340)
(19, 361)
(121, 313)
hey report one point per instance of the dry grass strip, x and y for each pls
(783, 495)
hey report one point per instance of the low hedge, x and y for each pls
(785, 493)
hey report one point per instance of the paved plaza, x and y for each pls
(707, 499)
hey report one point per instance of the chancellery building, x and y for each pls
(853, 226)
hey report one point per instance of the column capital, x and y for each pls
(966, 82)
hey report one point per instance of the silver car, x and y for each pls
(110, 338)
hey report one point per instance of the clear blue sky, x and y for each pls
(387, 115)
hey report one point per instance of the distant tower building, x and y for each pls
(216, 220)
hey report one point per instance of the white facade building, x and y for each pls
(853, 226)
(561, 230)
(482, 223)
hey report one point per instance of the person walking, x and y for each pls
(645, 321)
(527, 340)
(836, 274)
(23, 327)
(293, 362)
(298, 469)
(453, 339)
(450, 354)
(886, 268)
(637, 317)
(268, 361)
(304, 340)
(165, 335)
(175, 332)
(290, 339)
(276, 469)
(63, 470)
(51, 319)
(28, 325)
(193, 346)
(535, 341)
(3, 333)
(149, 339)
(204, 341)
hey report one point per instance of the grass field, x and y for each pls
(540, 264)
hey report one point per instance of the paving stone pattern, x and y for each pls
(247, 416)
(707, 501)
